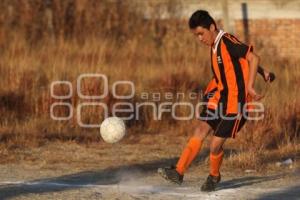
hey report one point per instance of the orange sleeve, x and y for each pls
(211, 85)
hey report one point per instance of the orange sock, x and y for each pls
(215, 163)
(188, 154)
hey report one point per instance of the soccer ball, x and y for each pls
(112, 129)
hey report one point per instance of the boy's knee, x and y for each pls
(215, 149)
(201, 131)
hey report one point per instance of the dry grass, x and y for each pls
(41, 46)
(261, 160)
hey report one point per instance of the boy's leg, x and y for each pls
(216, 157)
(193, 147)
(175, 174)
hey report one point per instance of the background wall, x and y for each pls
(273, 24)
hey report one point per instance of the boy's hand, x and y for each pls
(267, 76)
(253, 94)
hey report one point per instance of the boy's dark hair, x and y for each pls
(201, 18)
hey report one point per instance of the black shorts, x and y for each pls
(224, 126)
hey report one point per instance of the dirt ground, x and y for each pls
(128, 171)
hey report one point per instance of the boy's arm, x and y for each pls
(267, 76)
(210, 86)
(253, 60)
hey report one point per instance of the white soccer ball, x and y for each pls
(112, 129)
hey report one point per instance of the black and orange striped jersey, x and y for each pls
(230, 74)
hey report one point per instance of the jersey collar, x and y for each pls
(217, 40)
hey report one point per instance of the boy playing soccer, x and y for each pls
(234, 66)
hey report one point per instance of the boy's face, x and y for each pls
(204, 35)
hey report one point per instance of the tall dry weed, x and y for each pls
(46, 41)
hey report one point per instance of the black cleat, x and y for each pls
(170, 174)
(210, 183)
